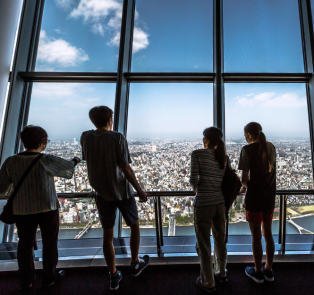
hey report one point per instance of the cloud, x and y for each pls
(140, 40)
(106, 15)
(250, 94)
(270, 100)
(289, 100)
(59, 52)
(65, 4)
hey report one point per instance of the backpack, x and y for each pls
(231, 185)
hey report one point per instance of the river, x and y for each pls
(239, 228)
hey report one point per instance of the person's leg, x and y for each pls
(109, 251)
(49, 226)
(135, 241)
(219, 236)
(202, 223)
(128, 209)
(26, 229)
(270, 244)
(257, 245)
(107, 213)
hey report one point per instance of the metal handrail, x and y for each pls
(157, 204)
(176, 194)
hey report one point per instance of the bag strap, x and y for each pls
(227, 227)
(23, 177)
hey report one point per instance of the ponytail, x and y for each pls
(220, 154)
(266, 159)
(255, 130)
(214, 135)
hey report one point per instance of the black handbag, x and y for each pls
(7, 215)
(231, 185)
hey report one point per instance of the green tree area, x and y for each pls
(185, 219)
(231, 214)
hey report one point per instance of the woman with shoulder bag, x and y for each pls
(207, 172)
(36, 203)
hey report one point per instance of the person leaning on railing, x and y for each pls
(207, 172)
(109, 172)
(36, 203)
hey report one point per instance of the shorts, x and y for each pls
(259, 217)
(108, 211)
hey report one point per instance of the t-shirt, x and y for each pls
(261, 191)
(37, 194)
(206, 177)
(105, 153)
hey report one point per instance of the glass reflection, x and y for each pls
(262, 36)
(80, 36)
(173, 36)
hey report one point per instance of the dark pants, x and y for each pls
(26, 229)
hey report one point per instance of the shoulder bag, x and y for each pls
(231, 185)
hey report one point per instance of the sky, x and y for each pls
(171, 36)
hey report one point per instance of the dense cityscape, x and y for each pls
(164, 165)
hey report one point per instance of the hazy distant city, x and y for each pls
(164, 165)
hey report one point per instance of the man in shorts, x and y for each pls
(108, 162)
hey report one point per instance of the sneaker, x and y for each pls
(114, 280)
(25, 287)
(255, 276)
(58, 277)
(208, 290)
(222, 278)
(268, 274)
(138, 266)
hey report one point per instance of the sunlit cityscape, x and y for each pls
(164, 165)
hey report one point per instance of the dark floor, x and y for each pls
(289, 279)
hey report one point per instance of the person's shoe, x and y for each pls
(58, 277)
(208, 290)
(114, 280)
(26, 287)
(268, 274)
(255, 276)
(138, 266)
(222, 278)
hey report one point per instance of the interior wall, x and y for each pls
(9, 16)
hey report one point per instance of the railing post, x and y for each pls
(284, 225)
(160, 223)
(157, 225)
(280, 219)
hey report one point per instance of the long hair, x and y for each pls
(214, 135)
(255, 129)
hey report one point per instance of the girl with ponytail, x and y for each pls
(207, 171)
(258, 165)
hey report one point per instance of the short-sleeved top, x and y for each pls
(37, 194)
(206, 177)
(261, 191)
(105, 153)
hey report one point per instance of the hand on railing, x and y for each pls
(143, 196)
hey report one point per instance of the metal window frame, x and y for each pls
(23, 74)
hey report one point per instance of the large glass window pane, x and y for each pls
(165, 124)
(299, 224)
(80, 36)
(173, 36)
(62, 110)
(262, 36)
(281, 109)
(177, 216)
